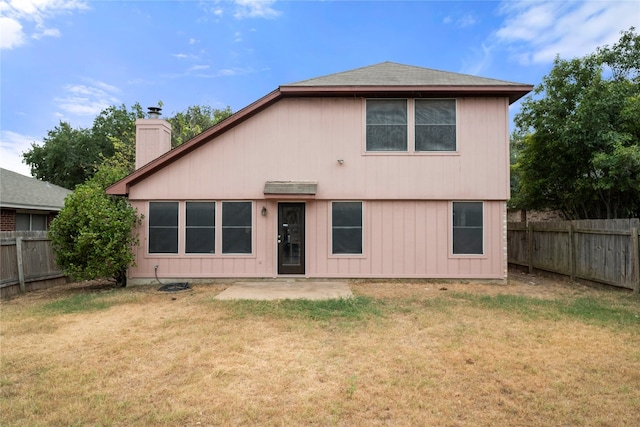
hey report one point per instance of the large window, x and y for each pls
(386, 125)
(346, 227)
(435, 124)
(31, 222)
(467, 228)
(236, 227)
(388, 122)
(163, 227)
(200, 236)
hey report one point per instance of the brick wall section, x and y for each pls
(7, 220)
(50, 218)
(534, 216)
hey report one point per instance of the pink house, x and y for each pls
(386, 171)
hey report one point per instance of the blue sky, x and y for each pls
(69, 59)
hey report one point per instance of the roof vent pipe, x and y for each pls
(154, 112)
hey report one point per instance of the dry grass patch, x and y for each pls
(522, 354)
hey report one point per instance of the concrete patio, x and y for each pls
(276, 290)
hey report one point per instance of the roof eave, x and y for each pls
(513, 92)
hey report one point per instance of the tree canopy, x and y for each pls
(70, 156)
(577, 137)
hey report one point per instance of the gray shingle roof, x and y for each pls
(393, 74)
(22, 192)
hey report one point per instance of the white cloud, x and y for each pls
(28, 18)
(87, 100)
(536, 32)
(255, 9)
(11, 34)
(12, 145)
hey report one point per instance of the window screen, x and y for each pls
(236, 227)
(346, 227)
(386, 125)
(467, 228)
(163, 227)
(200, 234)
(435, 124)
(31, 222)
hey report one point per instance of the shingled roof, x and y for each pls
(23, 192)
(393, 74)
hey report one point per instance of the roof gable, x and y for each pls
(393, 74)
(387, 79)
(23, 192)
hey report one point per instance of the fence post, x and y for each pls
(636, 258)
(20, 264)
(530, 247)
(572, 254)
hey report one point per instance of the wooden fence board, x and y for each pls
(27, 261)
(603, 251)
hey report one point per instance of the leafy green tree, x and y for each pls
(193, 121)
(92, 235)
(69, 156)
(578, 136)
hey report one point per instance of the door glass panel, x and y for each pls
(291, 236)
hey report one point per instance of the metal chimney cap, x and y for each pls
(154, 112)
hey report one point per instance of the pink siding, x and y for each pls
(302, 139)
(403, 239)
(407, 209)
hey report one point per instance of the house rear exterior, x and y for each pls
(387, 171)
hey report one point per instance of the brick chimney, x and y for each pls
(153, 137)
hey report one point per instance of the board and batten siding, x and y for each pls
(302, 140)
(402, 239)
(407, 196)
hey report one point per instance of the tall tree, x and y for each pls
(578, 137)
(193, 121)
(69, 157)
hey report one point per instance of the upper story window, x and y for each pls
(386, 125)
(435, 124)
(419, 125)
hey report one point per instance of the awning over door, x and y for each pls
(290, 189)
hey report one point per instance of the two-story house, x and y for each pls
(386, 171)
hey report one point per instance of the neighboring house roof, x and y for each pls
(380, 80)
(23, 192)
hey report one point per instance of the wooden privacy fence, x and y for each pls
(604, 251)
(27, 262)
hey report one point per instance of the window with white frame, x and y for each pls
(386, 125)
(163, 227)
(236, 227)
(346, 228)
(468, 228)
(31, 222)
(435, 124)
(200, 224)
